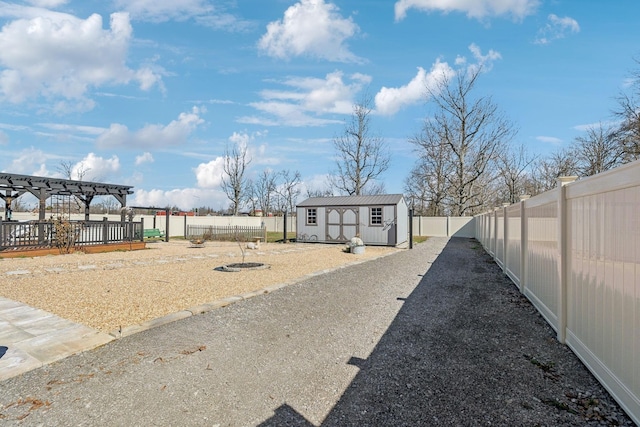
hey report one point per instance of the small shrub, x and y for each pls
(65, 234)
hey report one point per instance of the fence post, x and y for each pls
(167, 224)
(411, 228)
(284, 227)
(448, 226)
(524, 240)
(505, 236)
(562, 256)
(494, 238)
(105, 230)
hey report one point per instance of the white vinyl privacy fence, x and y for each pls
(575, 253)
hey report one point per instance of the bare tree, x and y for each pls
(311, 192)
(289, 190)
(361, 156)
(66, 168)
(428, 177)
(417, 193)
(473, 133)
(250, 195)
(514, 171)
(234, 182)
(597, 151)
(264, 190)
(628, 112)
(547, 170)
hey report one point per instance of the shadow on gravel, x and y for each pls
(465, 349)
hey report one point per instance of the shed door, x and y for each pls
(342, 224)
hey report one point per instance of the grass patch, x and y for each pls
(276, 236)
(559, 405)
(420, 239)
(545, 366)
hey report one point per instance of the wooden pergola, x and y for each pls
(13, 186)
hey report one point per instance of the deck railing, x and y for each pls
(575, 253)
(54, 233)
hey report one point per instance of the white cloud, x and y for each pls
(556, 28)
(307, 98)
(91, 168)
(390, 100)
(477, 9)
(604, 124)
(61, 57)
(549, 140)
(41, 171)
(209, 175)
(95, 168)
(241, 139)
(47, 3)
(225, 22)
(184, 198)
(145, 157)
(4, 138)
(485, 61)
(87, 130)
(201, 11)
(313, 28)
(9, 126)
(164, 10)
(31, 161)
(175, 133)
(316, 183)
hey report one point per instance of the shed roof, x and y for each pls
(380, 199)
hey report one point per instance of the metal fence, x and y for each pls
(229, 233)
(55, 233)
(575, 253)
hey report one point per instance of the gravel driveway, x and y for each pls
(432, 336)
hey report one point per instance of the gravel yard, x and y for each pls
(113, 290)
(437, 335)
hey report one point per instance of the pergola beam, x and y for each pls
(43, 188)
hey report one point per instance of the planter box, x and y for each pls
(93, 249)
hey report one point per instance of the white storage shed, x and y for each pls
(378, 220)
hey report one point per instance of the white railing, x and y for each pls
(575, 253)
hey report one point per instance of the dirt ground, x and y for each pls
(113, 290)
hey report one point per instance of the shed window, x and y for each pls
(312, 216)
(376, 216)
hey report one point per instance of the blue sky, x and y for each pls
(149, 93)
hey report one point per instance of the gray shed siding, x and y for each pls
(341, 218)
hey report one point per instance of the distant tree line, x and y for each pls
(467, 164)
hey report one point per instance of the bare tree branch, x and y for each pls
(514, 167)
(597, 151)
(289, 189)
(235, 184)
(361, 157)
(460, 144)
